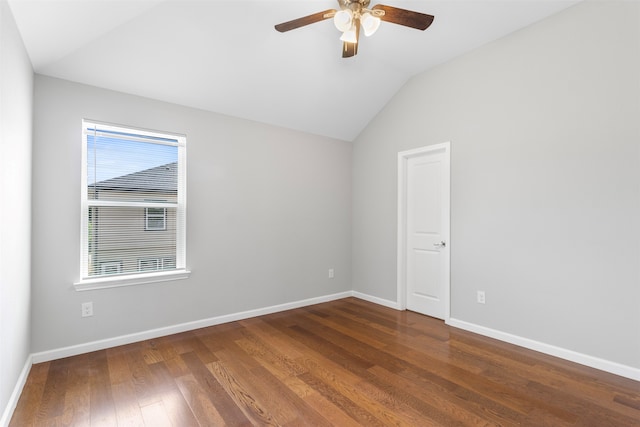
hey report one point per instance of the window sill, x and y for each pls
(130, 280)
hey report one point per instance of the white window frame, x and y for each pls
(87, 282)
(147, 227)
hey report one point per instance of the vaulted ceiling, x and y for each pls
(226, 57)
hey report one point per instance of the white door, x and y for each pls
(424, 230)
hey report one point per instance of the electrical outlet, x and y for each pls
(331, 273)
(87, 309)
(480, 297)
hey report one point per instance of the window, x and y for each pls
(149, 264)
(110, 267)
(155, 219)
(133, 182)
(154, 264)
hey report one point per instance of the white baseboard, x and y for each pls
(563, 353)
(74, 350)
(17, 391)
(376, 300)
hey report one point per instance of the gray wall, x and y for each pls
(16, 97)
(268, 213)
(545, 166)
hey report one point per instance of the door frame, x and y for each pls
(403, 157)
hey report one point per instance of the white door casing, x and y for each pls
(423, 230)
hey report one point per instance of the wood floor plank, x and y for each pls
(323, 406)
(342, 363)
(384, 406)
(439, 407)
(632, 402)
(119, 371)
(277, 339)
(255, 382)
(546, 375)
(351, 408)
(52, 401)
(155, 414)
(288, 401)
(408, 345)
(128, 411)
(359, 332)
(243, 398)
(175, 405)
(287, 370)
(278, 364)
(219, 397)
(77, 407)
(144, 384)
(103, 411)
(199, 401)
(193, 343)
(326, 348)
(151, 352)
(177, 367)
(600, 415)
(31, 398)
(396, 364)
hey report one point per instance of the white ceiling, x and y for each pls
(226, 57)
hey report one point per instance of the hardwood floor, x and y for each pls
(342, 363)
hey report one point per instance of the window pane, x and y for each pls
(121, 169)
(155, 224)
(117, 234)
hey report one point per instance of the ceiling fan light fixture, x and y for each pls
(354, 14)
(370, 23)
(343, 20)
(350, 36)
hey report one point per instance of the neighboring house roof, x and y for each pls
(163, 179)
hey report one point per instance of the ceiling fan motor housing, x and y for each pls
(358, 7)
(354, 3)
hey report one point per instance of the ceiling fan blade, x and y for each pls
(408, 18)
(305, 20)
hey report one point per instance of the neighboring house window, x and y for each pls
(155, 219)
(149, 264)
(168, 263)
(125, 171)
(156, 264)
(110, 268)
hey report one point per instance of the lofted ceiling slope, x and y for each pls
(226, 57)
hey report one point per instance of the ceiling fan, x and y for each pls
(355, 14)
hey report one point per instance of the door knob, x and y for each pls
(442, 244)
